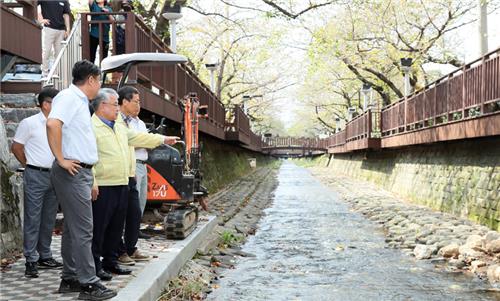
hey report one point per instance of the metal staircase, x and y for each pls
(59, 75)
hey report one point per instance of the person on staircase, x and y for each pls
(55, 18)
(31, 149)
(99, 6)
(126, 6)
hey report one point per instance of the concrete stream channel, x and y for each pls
(278, 233)
(308, 245)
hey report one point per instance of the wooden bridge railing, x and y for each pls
(466, 93)
(239, 128)
(169, 82)
(16, 29)
(363, 127)
(292, 142)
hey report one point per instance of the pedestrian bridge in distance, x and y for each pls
(291, 147)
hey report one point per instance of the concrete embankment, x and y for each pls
(224, 162)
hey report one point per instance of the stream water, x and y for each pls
(310, 246)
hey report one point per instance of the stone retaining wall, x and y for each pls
(461, 177)
(13, 109)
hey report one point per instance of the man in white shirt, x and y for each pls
(141, 172)
(72, 141)
(31, 149)
(128, 253)
(141, 156)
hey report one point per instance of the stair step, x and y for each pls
(22, 100)
(15, 115)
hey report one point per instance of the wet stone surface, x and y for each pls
(311, 245)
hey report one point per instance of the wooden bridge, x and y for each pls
(463, 104)
(294, 147)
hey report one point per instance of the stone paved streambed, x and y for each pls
(311, 245)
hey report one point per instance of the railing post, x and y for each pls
(369, 127)
(464, 90)
(483, 83)
(434, 101)
(101, 42)
(424, 107)
(448, 99)
(131, 43)
(405, 103)
(85, 36)
(29, 9)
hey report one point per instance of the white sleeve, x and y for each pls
(142, 126)
(23, 132)
(64, 108)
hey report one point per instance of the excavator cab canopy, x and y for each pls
(124, 62)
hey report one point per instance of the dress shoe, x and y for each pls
(103, 275)
(125, 259)
(31, 270)
(117, 270)
(49, 263)
(95, 291)
(144, 235)
(138, 256)
(69, 286)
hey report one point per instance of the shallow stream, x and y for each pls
(310, 246)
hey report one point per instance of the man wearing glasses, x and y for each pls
(32, 150)
(111, 185)
(73, 143)
(128, 253)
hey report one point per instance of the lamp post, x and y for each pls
(212, 68)
(483, 26)
(172, 15)
(338, 128)
(350, 113)
(366, 90)
(246, 98)
(267, 138)
(406, 67)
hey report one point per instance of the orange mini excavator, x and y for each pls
(174, 176)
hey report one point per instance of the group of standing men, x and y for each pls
(87, 165)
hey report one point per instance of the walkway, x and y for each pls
(166, 254)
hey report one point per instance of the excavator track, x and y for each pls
(180, 222)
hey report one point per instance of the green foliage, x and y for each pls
(228, 237)
(364, 42)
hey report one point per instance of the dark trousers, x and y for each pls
(109, 211)
(133, 220)
(94, 42)
(73, 193)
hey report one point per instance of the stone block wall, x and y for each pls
(13, 109)
(462, 177)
